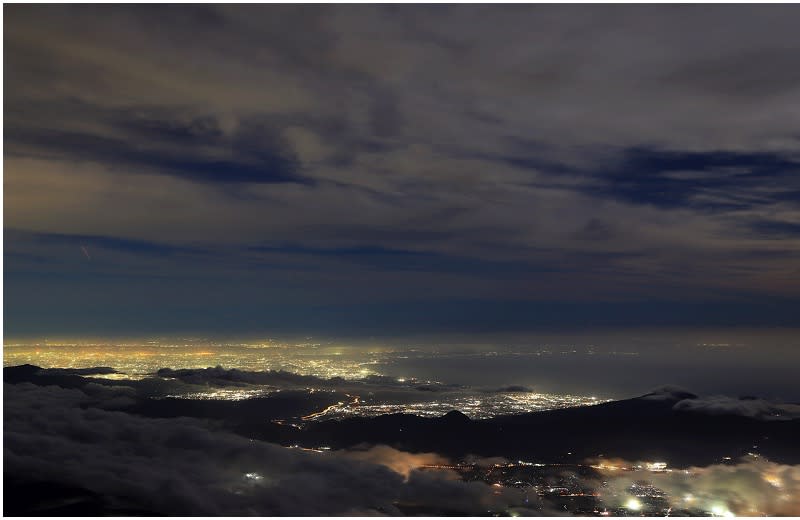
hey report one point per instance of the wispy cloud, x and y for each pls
(636, 150)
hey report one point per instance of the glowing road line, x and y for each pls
(355, 400)
(323, 412)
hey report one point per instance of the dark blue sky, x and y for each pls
(396, 169)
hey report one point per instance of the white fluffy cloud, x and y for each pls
(182, 466)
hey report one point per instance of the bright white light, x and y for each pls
(633, 504)
(721, 510)
(253, 476)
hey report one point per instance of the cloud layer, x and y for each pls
(182, 466)
(756, 408)
(750, 487)
(349, 154)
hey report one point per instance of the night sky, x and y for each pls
(399, 169)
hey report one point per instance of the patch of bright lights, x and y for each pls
(720, 510)
(633, 504)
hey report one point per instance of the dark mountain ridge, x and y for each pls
(650, 427)
(634, 429)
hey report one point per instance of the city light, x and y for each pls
(721, 510)
(140, 360)
(633, 504)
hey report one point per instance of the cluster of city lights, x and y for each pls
(472, 404)
(140, 360)
(224, 394)
(147, 357)
(561, 484)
